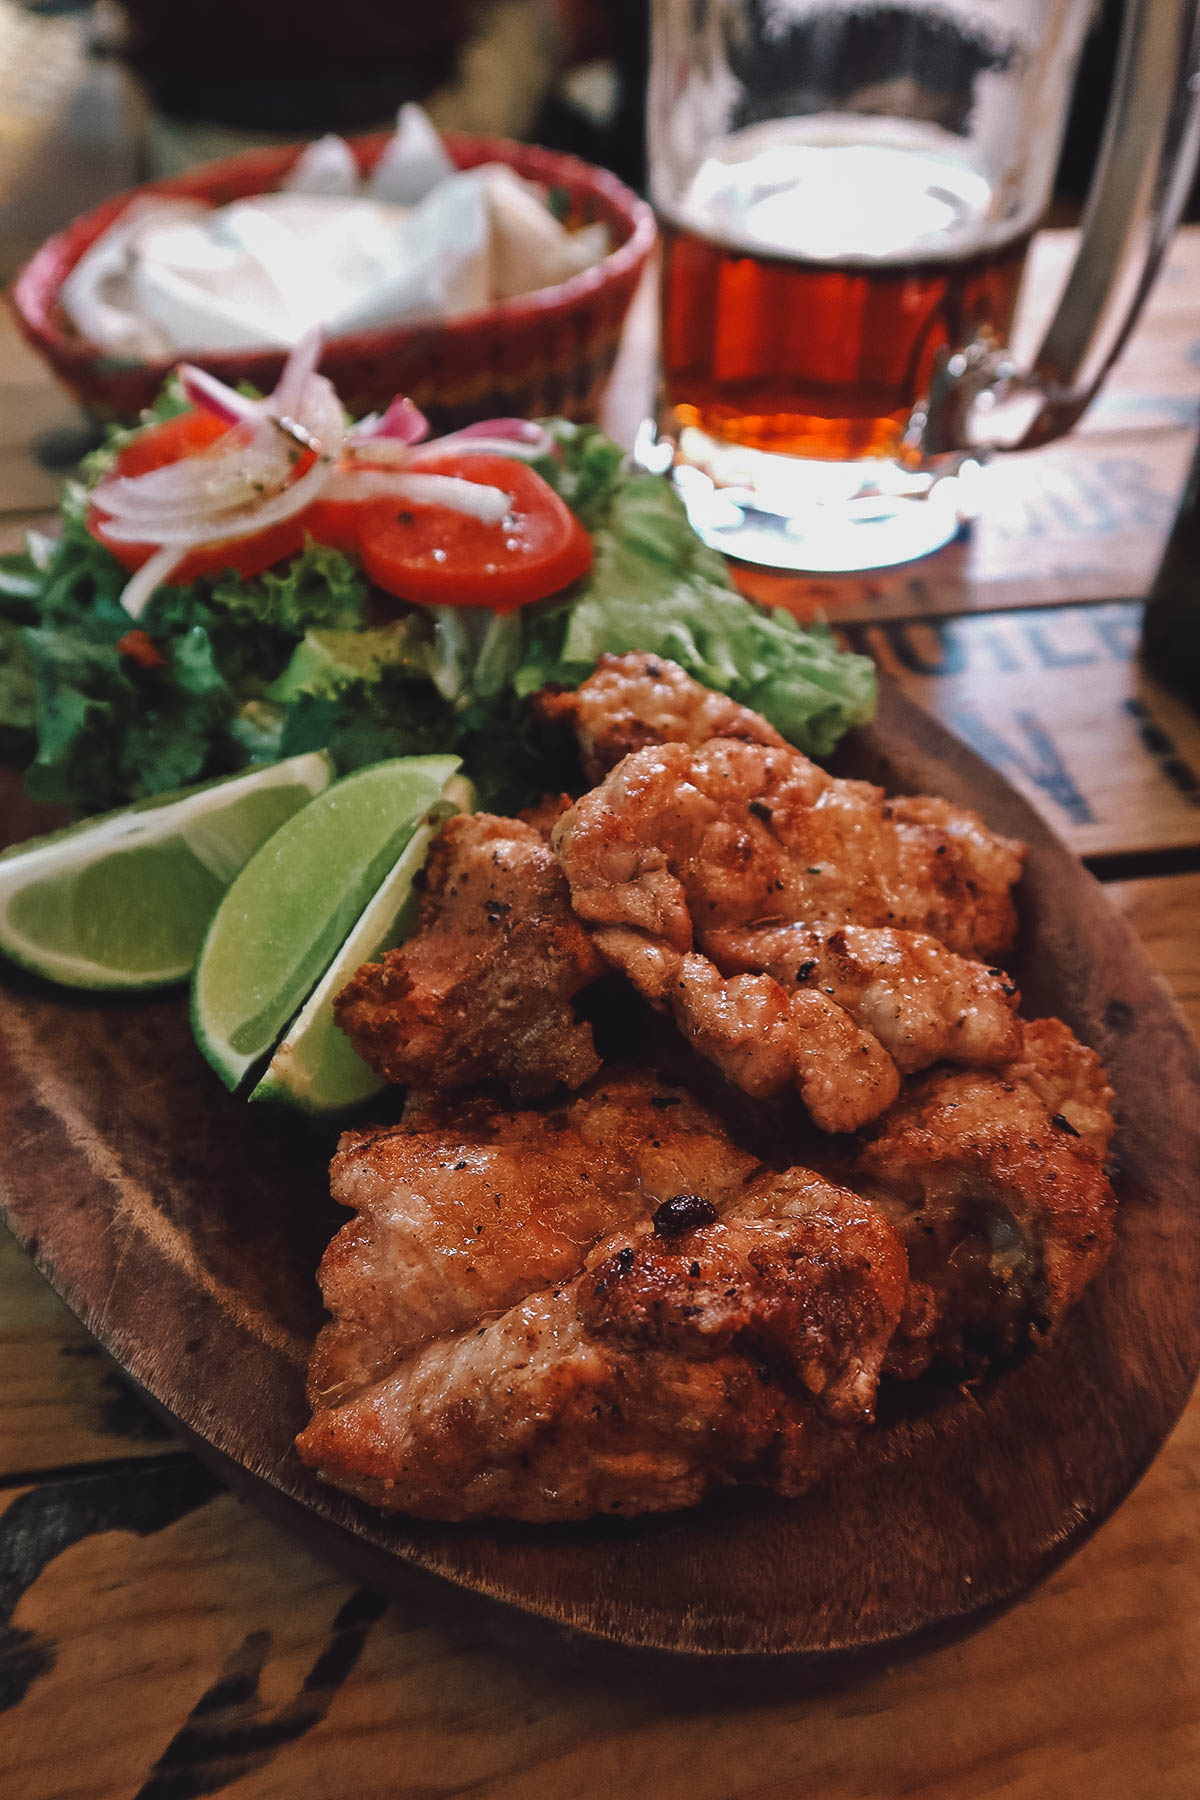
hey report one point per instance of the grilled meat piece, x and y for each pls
(1068, 1079)
(970, 905)
(922, 1002)
(684, 861)
(995, 1182)
(690, 1320)
(465, 1206)
(484, 985)
(610, 1307)
(537, 1416)
(635, 700)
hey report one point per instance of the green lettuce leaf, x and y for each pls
(108, 730)
(368, 719)
(655, 586)
(325, 661)
(18, 694)
(21, 582)
(254, 626)
(584, 467)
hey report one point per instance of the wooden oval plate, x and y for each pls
(184, 1228)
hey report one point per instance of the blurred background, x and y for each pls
(98, 94)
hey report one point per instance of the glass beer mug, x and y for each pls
(847, 190)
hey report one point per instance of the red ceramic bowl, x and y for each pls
(546, 352)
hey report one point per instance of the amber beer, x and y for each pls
(827, 355)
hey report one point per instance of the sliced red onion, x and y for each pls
(482, 446)
(403, 421)
(183, 520)
(523, 430)
(297, 375)
(373, 452)
(211, 395)
(231, 474)
(152, 574)
(219, 527)
(251, 464)
(521, 439)
(351, 482)
(475, 498)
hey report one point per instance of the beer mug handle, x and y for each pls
(979, 400)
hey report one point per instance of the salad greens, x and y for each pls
(227, 672)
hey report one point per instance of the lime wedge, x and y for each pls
(283, 920)
(315, 1067)
(123, 901)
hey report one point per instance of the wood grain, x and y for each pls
(1165, 913)
(31, 404)
(185, 1230)
(215, 1620)
(1056, 700)
(62, 1401)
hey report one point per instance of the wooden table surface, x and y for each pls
(159, 1639)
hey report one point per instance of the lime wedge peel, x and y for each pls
(316, 1068)
(290, 910)
(122, 902)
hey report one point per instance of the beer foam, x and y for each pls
(844, 188)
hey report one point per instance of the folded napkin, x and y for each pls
(417, 241)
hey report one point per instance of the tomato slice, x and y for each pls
(157, 445)
(337, 523)
(438, 557)
(428, 554)
(187, 435)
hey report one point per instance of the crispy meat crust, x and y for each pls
(610, 1307)
(483, 987)
(700, 871)
(999, 1195)
(729, 1329)
(922, 1002)
(466, 1205)
(635, 700)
